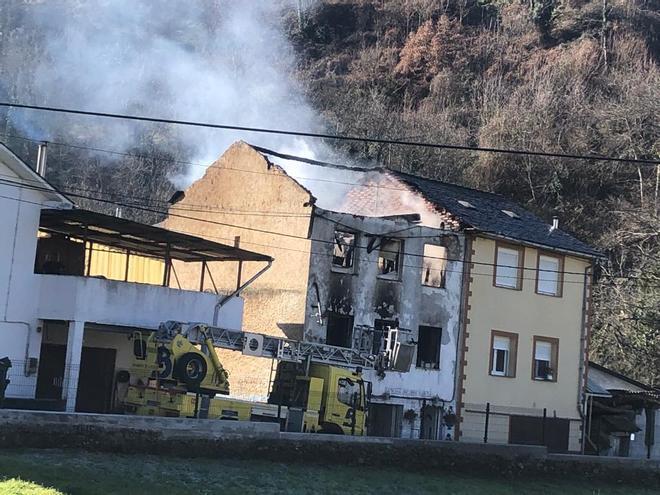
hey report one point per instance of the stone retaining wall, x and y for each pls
(246, 440)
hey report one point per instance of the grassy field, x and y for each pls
(55, 472)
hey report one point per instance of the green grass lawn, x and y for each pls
(55, 472)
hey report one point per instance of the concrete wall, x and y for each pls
(19, 286)
(128, 304)
(188, 438)
(528, 314)
(239, 190)
(366, 297)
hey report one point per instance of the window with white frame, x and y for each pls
(508, 267)
(433, 265)
(503, 353)
(545, 359)
(549, 275)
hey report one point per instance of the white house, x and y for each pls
(65, 324)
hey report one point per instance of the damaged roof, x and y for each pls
(382, 192)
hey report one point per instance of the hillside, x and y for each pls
(564, 76)
(567, 76)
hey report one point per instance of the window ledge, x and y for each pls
(548, 294)
(501, 376)
(338, 269)
(507, 287)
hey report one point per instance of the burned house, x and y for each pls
(484, 304)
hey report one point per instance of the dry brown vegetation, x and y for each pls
(568, 76)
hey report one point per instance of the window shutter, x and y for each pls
(543, 351)
(507, 267)
(548, 275)
(501, 343)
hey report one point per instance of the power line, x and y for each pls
(336, 137)
(446, 270)
(283, 234)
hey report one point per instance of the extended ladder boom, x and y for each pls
(268, 346)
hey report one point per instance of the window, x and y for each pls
(504, 348)
(389, 258)
(549, 275)
(344, 250)
(428, 347)
(433, 265)
(348, 392)
(508, 266)
(340, 330)
(544, 366)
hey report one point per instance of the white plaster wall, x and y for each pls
(129, 304)
(418, 305)
(19, 217)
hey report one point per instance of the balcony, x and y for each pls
(98, 280)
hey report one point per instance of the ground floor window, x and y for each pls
(340, 330)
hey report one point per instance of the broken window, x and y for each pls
(428, 347)
(434, 265)
(389, 257)
(344, 250)
(340, 330)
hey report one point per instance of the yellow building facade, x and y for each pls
(524, 345)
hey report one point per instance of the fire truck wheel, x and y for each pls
(331, 429)
(191, 369)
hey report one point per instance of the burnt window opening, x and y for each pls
(340, 330)
(343, 253)
(434, 265)
(428, 347)
(389, 258)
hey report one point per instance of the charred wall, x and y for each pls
(367, 296)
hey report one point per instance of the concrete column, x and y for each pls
(74, 345)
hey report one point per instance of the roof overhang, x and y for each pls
(30, 178)
(536, 245)
(140, 238)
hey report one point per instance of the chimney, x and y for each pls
(42, 155)
(555, 224)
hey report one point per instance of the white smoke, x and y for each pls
(218, 61)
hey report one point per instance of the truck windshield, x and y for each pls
(348, 392)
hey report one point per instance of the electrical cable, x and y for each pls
(337, 137)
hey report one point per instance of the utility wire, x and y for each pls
(283, 234)
(446, 270)
(336, 137)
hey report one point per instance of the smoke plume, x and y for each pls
(221, 61)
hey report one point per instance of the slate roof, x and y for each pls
(384, 192)
(486, 214)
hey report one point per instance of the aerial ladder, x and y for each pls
(317, 387)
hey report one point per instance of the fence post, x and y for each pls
(545, 416)
(486, 425)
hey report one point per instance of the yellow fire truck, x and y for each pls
(317, 388)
